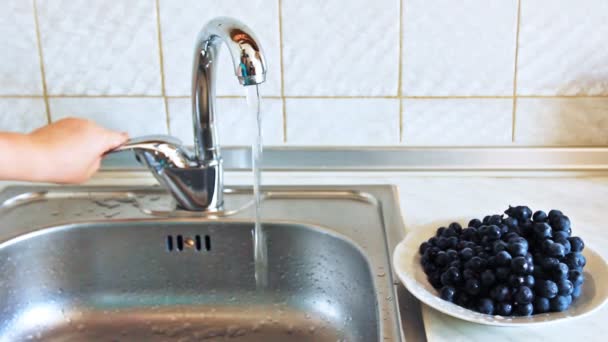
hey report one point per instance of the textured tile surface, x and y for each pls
(342, 122)
(137, 116)
(444, 122)
(22, 115)
(580, 121)
(235, 126)
(341, 47)
(98, 47)
(562, 48)
(458, 47)
(182, 20)
(19, 62)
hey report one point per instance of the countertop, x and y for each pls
(429, 200)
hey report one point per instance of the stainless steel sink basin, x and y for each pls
(87, 264)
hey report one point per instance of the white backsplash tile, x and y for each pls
(182, 20)
(137, 116)
(100, 47)
(341, 64)
(235, 126)
(562, 48)
(341, 48)
(342, 122)
(576, 121)
(458, 47)
(22, 115)
(19, 61)
(464, 122)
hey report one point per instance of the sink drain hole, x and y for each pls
(169, 243)
(198, 243)
(207, 243)
(180, 243)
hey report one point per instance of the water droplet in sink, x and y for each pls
(111, 215)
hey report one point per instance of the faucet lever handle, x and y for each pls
(146, 142)
(165, 149)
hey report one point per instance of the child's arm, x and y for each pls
(67, 151)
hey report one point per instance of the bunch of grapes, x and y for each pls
(517, 265)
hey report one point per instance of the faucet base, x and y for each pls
(197, 189)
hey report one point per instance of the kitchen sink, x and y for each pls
(122, 264)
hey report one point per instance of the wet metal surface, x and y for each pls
(120, 264)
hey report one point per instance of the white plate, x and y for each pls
(406, 261)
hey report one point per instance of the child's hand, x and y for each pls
(70, 150)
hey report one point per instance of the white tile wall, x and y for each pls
(100, 47)
(343, 122)
(234, 126)
(579, 121)
(464, 47)
(340, 72)
(562, 48)
(136, 116)
(340, 48)
(182, 20)
(19, 62)
(457, 122)
(22, 115)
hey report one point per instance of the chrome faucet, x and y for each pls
(195, 179)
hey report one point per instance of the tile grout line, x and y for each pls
(20, 96)
(562, 96)
(340, 97)
(456, 97)
(45, 95)
(162, 66)
(101, 96)
(400, 71)
(275, 97)
(283, 104)
(514, 104)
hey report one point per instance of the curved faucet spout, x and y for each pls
(249, 67)
(196, 179)
(247, 55)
